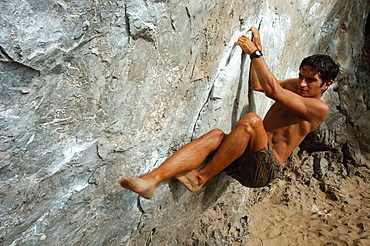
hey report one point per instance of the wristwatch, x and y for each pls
(256, 54)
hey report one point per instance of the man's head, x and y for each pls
(326, 67)
(316, 74)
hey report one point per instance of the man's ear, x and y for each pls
(327, 84)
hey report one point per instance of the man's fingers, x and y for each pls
(252, 28)
(255, 33)
(243, 38)
(256, 37)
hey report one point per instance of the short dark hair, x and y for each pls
(324, 64)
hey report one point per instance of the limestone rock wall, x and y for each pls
(95, 90)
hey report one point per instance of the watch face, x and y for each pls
(256, 54)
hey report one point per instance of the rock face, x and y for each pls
(92, 91)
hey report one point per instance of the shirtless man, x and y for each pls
(254, 150)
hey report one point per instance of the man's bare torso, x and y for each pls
(285, 130)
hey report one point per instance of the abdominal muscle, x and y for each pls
(282, 146)
(285, 131)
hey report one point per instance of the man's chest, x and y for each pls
(278, 117)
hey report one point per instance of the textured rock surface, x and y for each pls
(95, 90)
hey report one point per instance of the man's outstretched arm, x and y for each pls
(261, 77)
(307, 108)
(289, 84)
(254, 83)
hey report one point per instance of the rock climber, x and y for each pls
(254, 151)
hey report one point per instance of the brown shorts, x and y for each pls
(255, 170)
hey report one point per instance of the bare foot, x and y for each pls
(143, 187)
(190, 179)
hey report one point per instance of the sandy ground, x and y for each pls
(299, 214)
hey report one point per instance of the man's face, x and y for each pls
(310, 83)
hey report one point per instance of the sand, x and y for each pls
(334, 213)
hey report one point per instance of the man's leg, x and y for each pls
(248, 136)
(187, 158)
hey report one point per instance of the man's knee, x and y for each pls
(211, 140)
(216, 135)
(250, 122)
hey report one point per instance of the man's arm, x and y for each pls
(253, 78)
(254, 82)
(289, 84)
(255, 85)
(310, 109)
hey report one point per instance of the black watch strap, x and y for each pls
(256, 54)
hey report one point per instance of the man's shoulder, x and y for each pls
(312, 110)
(317, 112)
(322, 106)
